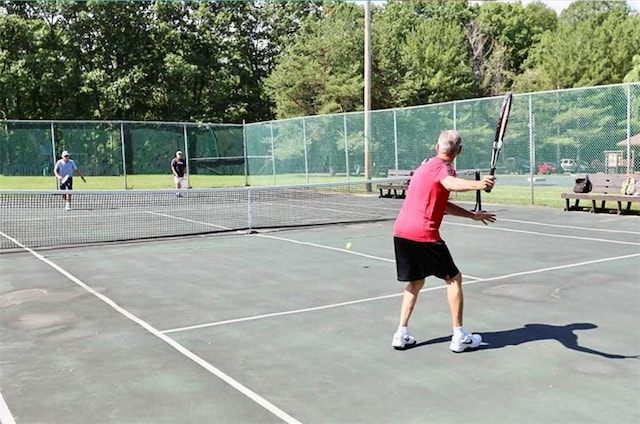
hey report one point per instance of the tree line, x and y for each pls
(225, 61)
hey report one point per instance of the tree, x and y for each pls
(501, 37)
(593, 45)
(321, 71)
(436, 61)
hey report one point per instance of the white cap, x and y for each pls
(65, 153)
(178, 153)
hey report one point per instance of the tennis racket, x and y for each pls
(501, 128)
(83, 180)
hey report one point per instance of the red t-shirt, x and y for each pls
(423, 209)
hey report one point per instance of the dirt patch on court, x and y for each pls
(35, 321)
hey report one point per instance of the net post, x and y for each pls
(249, 212)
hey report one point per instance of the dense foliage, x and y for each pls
(221, 61)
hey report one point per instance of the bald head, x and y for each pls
(449, 142)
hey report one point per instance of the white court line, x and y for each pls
(388, 296)
(208, 224)
(494, 228)
(295, 311)
(517, 221)
(5, 415)
(337, 249)
(177, 346)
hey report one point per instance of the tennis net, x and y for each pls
(39, 219)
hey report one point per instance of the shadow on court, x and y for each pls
(529, 333)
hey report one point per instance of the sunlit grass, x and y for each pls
(148, 182)
(501, 194)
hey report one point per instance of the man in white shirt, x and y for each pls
(64, 170)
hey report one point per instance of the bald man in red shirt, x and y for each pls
(420, 251)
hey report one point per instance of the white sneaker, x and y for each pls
(402, 341)
(67, 206)
(470, 341)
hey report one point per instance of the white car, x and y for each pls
(571, 165)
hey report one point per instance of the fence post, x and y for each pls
(629, 129)
(455, 128)
(304, 142)
(244, 148)
(532, 151)
(124, 156)
(53, 151)
(395, 136)
(346, 144)
(273, 153)
(186, 154)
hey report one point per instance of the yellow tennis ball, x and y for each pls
(349, 245)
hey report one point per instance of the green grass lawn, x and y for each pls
(148, 182)
(517, 195)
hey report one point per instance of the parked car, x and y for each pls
(547, 168)
(571, 165)
(517, 166)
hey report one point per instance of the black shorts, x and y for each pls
(416, 260)
(67, 185)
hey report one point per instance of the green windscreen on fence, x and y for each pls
(591, 129)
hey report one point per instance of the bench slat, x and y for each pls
(605, 188)
(396, 189)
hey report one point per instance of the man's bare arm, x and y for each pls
(460, 184)
(456, 210)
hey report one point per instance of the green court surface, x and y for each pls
(290, 326)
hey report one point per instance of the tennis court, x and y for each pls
(287, 325)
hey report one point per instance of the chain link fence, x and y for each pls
(550, 135)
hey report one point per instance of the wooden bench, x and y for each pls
(396, 189)
(605, 188)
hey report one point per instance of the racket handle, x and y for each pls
(492, 172)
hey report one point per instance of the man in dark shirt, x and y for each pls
(179, 169)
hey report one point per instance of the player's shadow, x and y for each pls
(563, 334)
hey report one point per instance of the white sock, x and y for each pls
(459, 332)
(402, 330)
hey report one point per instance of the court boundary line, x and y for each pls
(495, 228)
(270, 407)
(517, 221)
(337, 249)
(6, 417)
(371, 299)
(208, 224)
